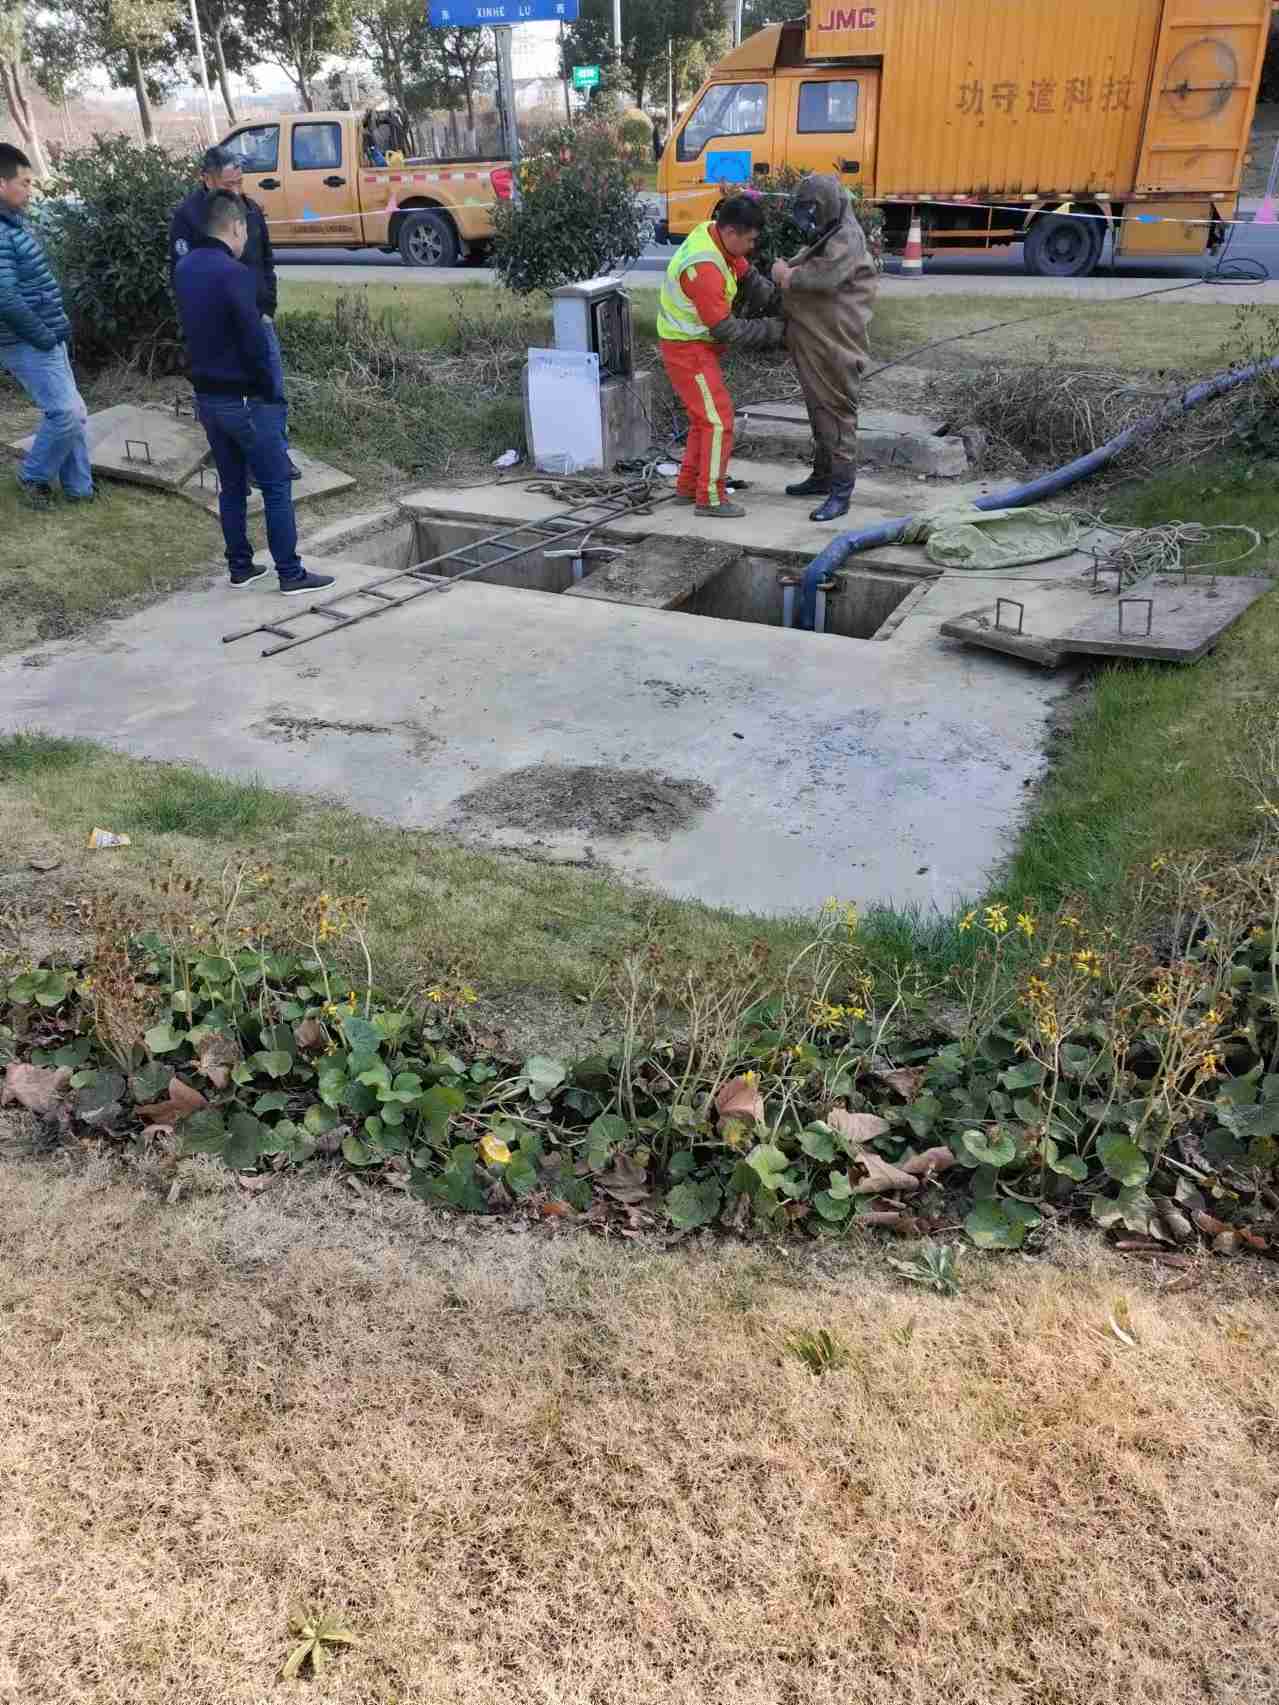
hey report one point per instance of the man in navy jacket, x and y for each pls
(221, 169)
(238, 397)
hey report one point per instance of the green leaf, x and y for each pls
(273, 1061)
(52, 988)
(839, 1186)
(818, 1142)
(982, 1148)
(1122, 1159)
(995, 1224)
(98, 1091)
(520, 1174)
(683, 1164)
(694, 1204)
(241, 1074)
(214, 969)
(202, 1133)
(355, 1152)
(769, 1163)
(1024, 1076)
(162, 1038)
(923, 1114)
(1069, 1166)
(1076, 1061)
(244, 1135)
(319, 1120)
(1130, 1208)
(437, 1106)
(543, 1075)
(603, 1136)
(150, 1081)
(275, 1101)
(457, 1183)
(832, 1207)
(361, 1037)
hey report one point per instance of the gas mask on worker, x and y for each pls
(803, 216)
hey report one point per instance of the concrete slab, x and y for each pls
(886, 438)
(889, 771)
(1047, 622)
(1186, 618)
(660, 576)
(146, 446)
(773, 521)
(319, 479)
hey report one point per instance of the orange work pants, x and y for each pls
(694, 372)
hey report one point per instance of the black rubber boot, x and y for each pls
(816, 485)
(836, 504)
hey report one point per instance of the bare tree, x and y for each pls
(13, 82)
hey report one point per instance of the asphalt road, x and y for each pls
(1002, 269)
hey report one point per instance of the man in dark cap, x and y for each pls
(221, 171)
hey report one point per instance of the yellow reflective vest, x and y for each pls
(678, 321)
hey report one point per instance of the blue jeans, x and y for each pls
(246, 436)
(277, 367)
(60, 450)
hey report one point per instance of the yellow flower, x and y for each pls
(967, 922)
(1157, 864)
(1026, 924)
(494, 1150)
(857, 1011)
(1212, 1016)
(1210, 1064)
(997, 920)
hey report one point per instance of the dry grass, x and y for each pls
(548, 1470)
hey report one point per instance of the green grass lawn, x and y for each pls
(1146, 769)
(1164, 334)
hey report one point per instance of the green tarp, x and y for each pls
(993, 538)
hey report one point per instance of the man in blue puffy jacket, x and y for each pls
(33, 347)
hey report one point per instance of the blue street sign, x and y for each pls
(493, 14)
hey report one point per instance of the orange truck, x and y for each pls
(1051, 123)
(323, 182)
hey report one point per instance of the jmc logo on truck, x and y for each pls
(858, 18)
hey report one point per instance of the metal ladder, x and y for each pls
(509, 543)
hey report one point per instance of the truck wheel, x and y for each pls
(427, 239)
(1058, 246)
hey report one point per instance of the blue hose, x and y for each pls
(845, 545)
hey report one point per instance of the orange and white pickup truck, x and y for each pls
(323, 182)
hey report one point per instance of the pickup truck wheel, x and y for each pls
(1058, 246)
(427, 239)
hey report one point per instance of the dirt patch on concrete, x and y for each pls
(590, 799)
(286, 729)
(673, 693)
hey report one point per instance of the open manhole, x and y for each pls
(689, 576)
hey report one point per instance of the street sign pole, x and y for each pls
(506, 83)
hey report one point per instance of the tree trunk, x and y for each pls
(457, 146)
(470, 101)
(224, 82)
(20, 109)
(144, 100)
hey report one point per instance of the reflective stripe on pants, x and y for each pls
(694, 372)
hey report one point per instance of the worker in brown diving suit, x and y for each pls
(827, 296)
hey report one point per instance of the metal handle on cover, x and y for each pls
(269, 183)
(334, 182)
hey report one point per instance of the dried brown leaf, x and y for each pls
(931, 1161)
(1210, 1226)
(625, 1181)
(37, 1088)
(906, 1080)
(880, 1175)
(182, 1102)
(739, 1098)
(309, 1035)
(218, 1054)
(856, 1127)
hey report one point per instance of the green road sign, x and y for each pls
(586, 76)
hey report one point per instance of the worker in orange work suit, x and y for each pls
(695, 320)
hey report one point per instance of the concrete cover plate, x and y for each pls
(1185, 620)
(148, 446)
(318, 480)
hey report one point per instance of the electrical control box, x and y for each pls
(594, 318)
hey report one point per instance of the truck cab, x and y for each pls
(765, 109)
(323, 183)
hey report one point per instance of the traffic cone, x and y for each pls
(913, 253)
